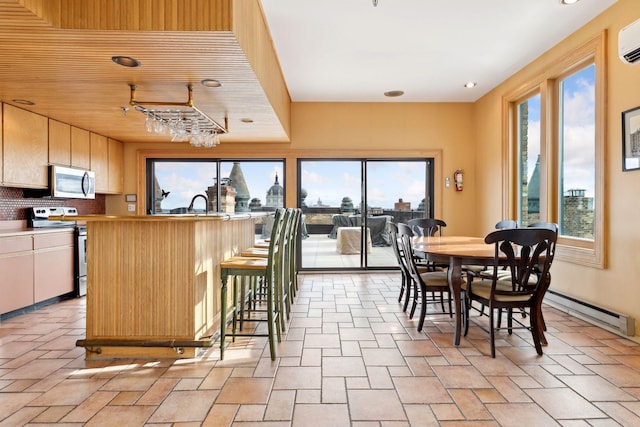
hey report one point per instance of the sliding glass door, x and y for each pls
(397, 190)
(348, 202)
(330, 195)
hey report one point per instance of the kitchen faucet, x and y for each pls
(206, 203)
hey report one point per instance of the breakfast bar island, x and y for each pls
(153, 282)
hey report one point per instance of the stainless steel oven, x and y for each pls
(81, 261)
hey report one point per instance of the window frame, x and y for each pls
(571, 249)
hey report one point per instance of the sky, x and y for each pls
(387, 182)
(184, 180)
(579, 131)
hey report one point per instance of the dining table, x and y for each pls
(455, 251)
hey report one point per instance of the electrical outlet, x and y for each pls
(131, 207)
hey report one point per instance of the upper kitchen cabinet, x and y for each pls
(100, 161)
(116, 169)
(80, 148)
(59, 143)
(26, 149)
(106, 162)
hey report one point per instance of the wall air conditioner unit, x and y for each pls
(629, 43)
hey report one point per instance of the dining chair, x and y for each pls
(482, 271)
(423, 280)
(528, 254)
(422, 227)
(506, 223)
(426, 226)
(503, 273)
(475, 270)
(405, 285)
(554, 227)
(550, 225)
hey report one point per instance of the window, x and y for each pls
(247, 185)
(577, 153)
(558, 152)
(528, 119)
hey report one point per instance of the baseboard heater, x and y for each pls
(599, 316)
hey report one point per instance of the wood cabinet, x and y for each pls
(53, 272)
(116, 167)
(106, 162)
(16, 265)
(80, 148)
(100, 161)
(59, 143)
(35, 267)
(29, 143)
(25, 149)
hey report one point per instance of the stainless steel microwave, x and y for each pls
(71, 183)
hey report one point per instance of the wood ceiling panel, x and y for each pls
(135, 15)
(70, 77)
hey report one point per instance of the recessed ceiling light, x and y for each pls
(570, 1)
(126, 61)
(23, 101)
(470, 85)
(211, 83)
(246, 120)
(394, 93)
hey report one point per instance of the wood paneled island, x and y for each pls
(153, 282)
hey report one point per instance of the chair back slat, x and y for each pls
(426, 226)
(506, 223)
(408, 256)
(528, 254)
(395, 242)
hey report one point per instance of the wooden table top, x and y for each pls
(458, 246)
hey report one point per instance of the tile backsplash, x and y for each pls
(13, 205)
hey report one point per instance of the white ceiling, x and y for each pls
(351, 51)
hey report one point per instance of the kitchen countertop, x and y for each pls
(180, 217)
(25, 231)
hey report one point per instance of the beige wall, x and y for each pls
(385, 130)
(466, 136)
(614, 287)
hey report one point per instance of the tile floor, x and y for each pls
(350, 357)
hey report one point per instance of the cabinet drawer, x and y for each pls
(16, 244)
(42, 241)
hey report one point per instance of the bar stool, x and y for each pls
(289, 270)
(269, 271)
(293, 250)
